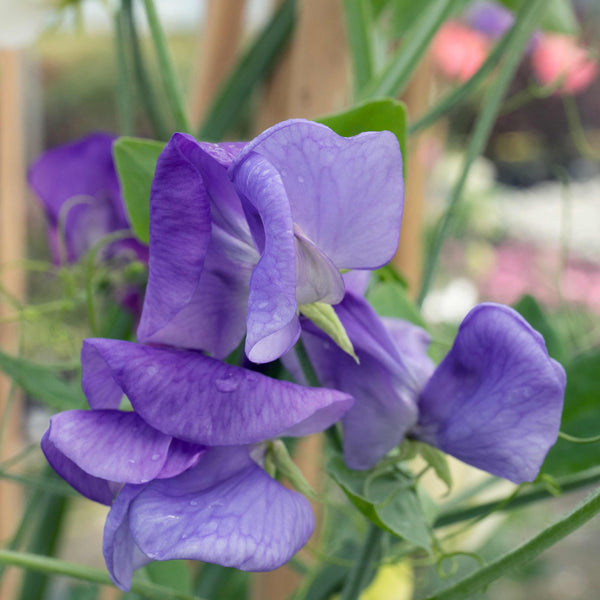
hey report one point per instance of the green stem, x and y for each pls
(535, 492)
(466, 89)
(526, 20)
(358, 26)
(357, 579)
(312, 379)
(146, 93)
(167, 71)
(54, 566)
(578, 440)
(123, 91)
(395, 77)
(576, 129)
(524, 553)
(254, 64)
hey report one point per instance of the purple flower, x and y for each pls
(242, 235)
(79, 189)
(494, 402)
(182, 472)
(489, 18)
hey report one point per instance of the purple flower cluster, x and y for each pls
(242, 237)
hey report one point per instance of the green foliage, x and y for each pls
(581, 417)
(136, 162)
(438, 462)
(173, 574)
(325, 318)
(384, 114)
(253, 67)
(43, 383)
(534, 314)
(390, 299)
(558, 15)
(387, 497)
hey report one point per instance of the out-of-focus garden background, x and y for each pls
(529, 225)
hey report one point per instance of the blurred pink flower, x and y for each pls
(458, 51)
(559, 56)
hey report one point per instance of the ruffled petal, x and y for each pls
(495, 401)
(180, 228)
(346, 194)
(110, 444)
(94, 488)
(202, 400)
(202, 252)
(226, 510)
(272, 325)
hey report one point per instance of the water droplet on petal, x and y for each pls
(193, 502)
(300, 179)
(226, 384)
(155, 456)
(131, 461)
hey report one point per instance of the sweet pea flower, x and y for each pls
(494, 402)
(558, 57)
(243, 235)
(489, 18)
(78, 186)
(458, 51)
(183, 472)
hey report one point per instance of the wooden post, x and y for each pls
(12, 242)
(409, 257)
(311, 81)
(217, 50)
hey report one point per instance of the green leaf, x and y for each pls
(325, 318)
(384, 114)
(386, 497)
(534, 314)
(136, 159)
(43, 383)
(173, 574)
(581, 417)
(438, 462)
(389, 299)
(253, 66)
(558, 16)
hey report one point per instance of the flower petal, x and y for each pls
(202, 253)
(94, 488)
(272, 323)
(383, 388)
(121, 554)
(110, 444)
(318, 279)
(77, 184)
(81, 168)
(495, 401)
(235, 515)
(202, 400)
(179, 235)
(346, 194)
